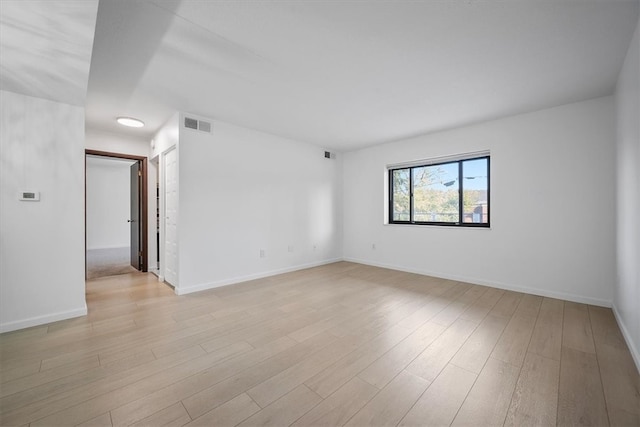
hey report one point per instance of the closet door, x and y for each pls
(171, 217)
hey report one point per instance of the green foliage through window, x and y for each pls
(451, 193)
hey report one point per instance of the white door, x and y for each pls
(171, 217)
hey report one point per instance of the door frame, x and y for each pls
(144, 244)
(163, 217)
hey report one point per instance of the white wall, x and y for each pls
(167, 136)
(41, 243)
(552, 226)
(116, 143)
(108, 202)
(243, 191)
(627, 284)
(126, 144)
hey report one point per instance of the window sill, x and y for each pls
(457, 227)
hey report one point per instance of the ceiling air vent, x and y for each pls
(197, 125)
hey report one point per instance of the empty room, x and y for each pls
(319, 213)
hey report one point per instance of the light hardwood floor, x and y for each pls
(342, 344)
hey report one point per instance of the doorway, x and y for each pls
(115, 213)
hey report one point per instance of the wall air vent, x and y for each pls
(204, 126)
(190, 123)
(197, 125)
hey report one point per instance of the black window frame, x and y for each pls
(460, 223)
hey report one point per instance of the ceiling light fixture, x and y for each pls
(130, 122)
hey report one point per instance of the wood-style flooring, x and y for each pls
(341, 344)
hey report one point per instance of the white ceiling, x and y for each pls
(347, 74)
(45, 48)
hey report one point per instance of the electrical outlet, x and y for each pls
(315, 247)
(290, 248)
(373, 246)
(263, 253)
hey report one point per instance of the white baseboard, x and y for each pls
(204, 286)
(41, 320)
(508, 287)
(633, 347)
(533, 291)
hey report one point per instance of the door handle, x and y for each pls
(131, 220)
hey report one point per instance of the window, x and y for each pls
(454, 192)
